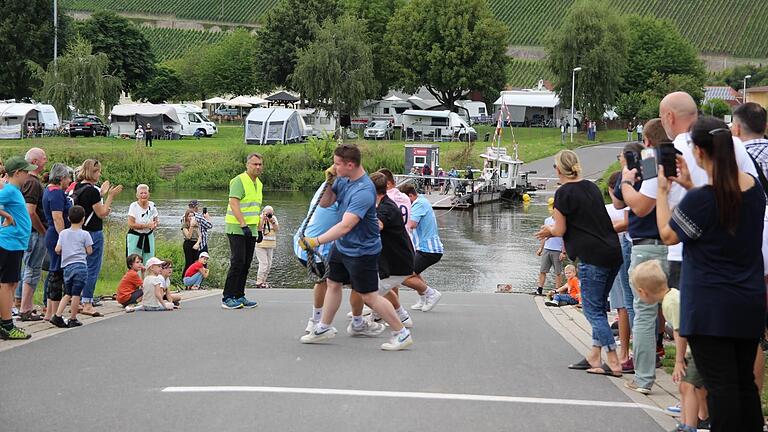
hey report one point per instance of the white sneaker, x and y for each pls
(310, 326)
(129, 309)
(398, 342)
(366, 311)
(316, 337)
(418, 305)
(431, 301)
(369, 329)
(407, 322)
(374, 317)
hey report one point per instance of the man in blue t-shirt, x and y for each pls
(321, 221)
(355, 253)
(15, 229)
(429, 248)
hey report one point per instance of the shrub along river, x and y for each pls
(484, 246)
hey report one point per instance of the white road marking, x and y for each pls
(409, 395)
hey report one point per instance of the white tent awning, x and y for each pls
(529, 99)
(147, 110)
(215, 100)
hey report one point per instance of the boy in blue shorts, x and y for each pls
(15, 229)
(74, 246)
(355, 254)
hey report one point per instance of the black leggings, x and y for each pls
(726, 364)
(241, 249)
(190, 254)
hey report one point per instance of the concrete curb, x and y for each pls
(110, 309)
(571, 324)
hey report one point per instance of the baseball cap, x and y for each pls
(193, 204)
(153, 261)
(16, 163)
(204, 254)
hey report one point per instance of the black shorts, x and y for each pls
(55, 285)
(423, 260)
(10, 266)
(360, 271)
(320, 268)
(135, 296)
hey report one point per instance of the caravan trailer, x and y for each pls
(318, 122)
(437, 126)
(475, 111)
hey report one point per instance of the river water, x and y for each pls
(484, 246)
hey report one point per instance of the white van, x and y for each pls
(192, 119)
(436, 126)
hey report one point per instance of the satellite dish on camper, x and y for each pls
(540, 85)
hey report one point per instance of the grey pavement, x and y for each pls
(109, 375)
(594, 160)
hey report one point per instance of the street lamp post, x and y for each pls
(573, 96)
(746, 77)
(55, 33)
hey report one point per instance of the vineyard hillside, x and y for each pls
(169, 44)
(733, 27)
(527, 73)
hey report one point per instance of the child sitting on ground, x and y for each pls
(152, 298)
(568, 294)
(651, 285)
(198, 271)
(166, 270)
(74, 245)
(129, 290)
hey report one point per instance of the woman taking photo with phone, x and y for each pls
(722, 291)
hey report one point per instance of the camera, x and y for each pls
(205, 210)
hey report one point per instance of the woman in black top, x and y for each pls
(722, 290)
(582, 221)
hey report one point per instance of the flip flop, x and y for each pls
(583, 364)
(604, 369)
(92, 314)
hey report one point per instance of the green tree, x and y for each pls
(628, 105)
(80, 79)
(230, 65)
(288, 27)
(335, 71)
(448, 46)
(195, 73)
(376, 15)
(26, 34)
(716, 108)
(655, 45)
(164, 85)
(734, 77)
(594, 37)
(130, 55)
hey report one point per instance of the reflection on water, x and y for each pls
(485, 246)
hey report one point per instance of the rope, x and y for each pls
(313, 268)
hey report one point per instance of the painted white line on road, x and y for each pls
(408, 395)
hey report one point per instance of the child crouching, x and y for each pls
(651, 283)
(129, 291)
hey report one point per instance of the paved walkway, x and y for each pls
(594, 160)
(480, 362)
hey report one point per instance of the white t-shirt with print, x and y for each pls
(142, 216)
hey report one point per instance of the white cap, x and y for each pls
(204, 254)
(153, 261)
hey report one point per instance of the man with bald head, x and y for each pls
(32, 189)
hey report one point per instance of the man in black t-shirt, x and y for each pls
(396, 258)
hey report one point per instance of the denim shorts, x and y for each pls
(75, 278)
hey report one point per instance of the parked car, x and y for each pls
(221, 111)
(379, 129)
(87, 125)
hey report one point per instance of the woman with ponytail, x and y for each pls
(722, 291)
(581, 219)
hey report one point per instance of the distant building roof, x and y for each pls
(725, 93)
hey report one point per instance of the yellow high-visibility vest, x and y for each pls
(250, 204)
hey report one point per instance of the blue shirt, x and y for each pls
(426, 237)
(359, 198)
(722, 290)
(54, 199)
(553, 243)
(639, 227)
(14, 237)
(322, 220)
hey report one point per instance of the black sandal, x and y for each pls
(581, 365)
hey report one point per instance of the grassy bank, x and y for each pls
(209, 163)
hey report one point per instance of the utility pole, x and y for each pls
(573, 96)
(55, 33)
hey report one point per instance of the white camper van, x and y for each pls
(436, 126)
(192, 119)
(318, 122)
(475, 111)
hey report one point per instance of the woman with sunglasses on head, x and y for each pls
(581, 219)
(722, 292)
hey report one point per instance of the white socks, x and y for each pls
(357, 321)
(429, 292)
(316, 313)
(402, 313)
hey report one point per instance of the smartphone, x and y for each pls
(631, 158)
(205, 210)
(649, 167)
(667, 158)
